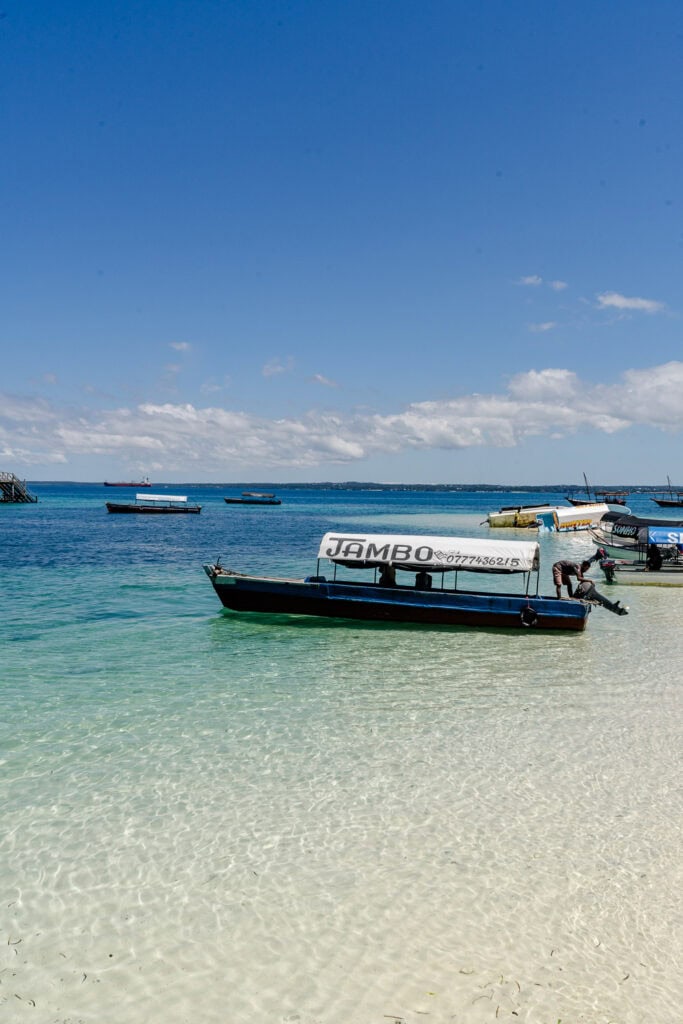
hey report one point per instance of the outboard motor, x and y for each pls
(607, 566)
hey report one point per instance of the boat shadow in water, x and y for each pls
(310, 623)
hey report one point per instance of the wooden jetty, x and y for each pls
(14, 491)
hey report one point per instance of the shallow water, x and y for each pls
(221, 818)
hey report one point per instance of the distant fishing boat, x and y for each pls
(670, 498)
(154, 504)
(254, 498)
(597, 497)
(128, 483)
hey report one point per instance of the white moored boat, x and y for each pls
(578, 517)
(660, 562)
(638, 573)
(154, 504)
(627, 537)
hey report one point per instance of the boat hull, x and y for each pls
(635, 574)
(569, 520)
(627, 537)
(627, 552)
(148, 510)
(595, 501)
(522, 517)
(371, 602)
(669, 502)
(252, 501)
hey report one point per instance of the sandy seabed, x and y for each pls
(330, 824)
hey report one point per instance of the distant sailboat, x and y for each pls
(596, 497)
(670, 498)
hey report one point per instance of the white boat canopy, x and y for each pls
(417, 553)
(160, 497)
(579, 515)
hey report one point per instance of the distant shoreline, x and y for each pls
(354, 485)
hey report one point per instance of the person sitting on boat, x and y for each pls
(423, 581)
(387, 576)
(564, 570)
(586, 592)
(654, 558)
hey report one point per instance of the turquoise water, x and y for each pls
(219, 818)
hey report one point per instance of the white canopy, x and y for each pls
(439, 553)
(161, 497)
(579, 516)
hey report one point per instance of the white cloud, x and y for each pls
(654, 396)
(318, 378)
(211, 386)
(613, 300)
(552, 402)
(180, 346)
(545, 385)
(275, 366)
(535, 281)
(541, 328)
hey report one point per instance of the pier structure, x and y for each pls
(14, 491)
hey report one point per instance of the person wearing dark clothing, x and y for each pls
(564, 570)
(387, 576)
(654, 558)
(586, 591)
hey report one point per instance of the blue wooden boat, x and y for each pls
(432, 568)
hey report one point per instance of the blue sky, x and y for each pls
(419, 241)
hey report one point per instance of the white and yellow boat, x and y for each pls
(517, 516)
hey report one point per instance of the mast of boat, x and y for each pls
(588, 489)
